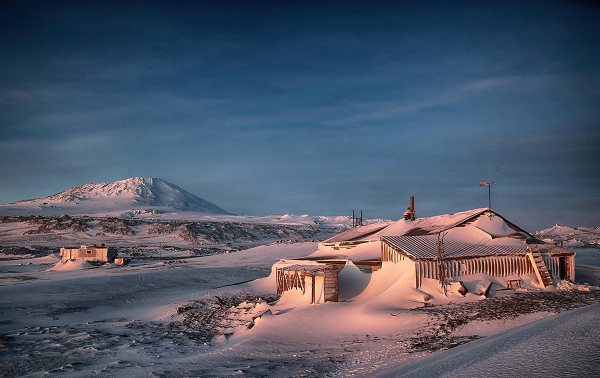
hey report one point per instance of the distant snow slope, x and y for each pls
(572, 236)
(151, 198)
(127, 197)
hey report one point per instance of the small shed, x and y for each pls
(320, 281)
(97, 252)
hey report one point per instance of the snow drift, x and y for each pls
(71, 265)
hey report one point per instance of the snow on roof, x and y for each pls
(358, 252)
(473, 233)
(420, 226)
(425, 247)
(430, 225)
(495, 225)
(358, 233)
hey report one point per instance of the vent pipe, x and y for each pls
(409, 214)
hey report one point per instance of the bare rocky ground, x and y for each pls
(446, 319)
(190, 343)
(36, 236)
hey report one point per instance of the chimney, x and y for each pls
(409, 214)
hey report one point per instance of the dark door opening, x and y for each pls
(562, 268)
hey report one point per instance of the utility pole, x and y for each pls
(489, 185)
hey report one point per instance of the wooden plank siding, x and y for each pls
(496, 266)
(553, 265)
(391, 254)
(331, 284)
(290, 279)
(93, 253)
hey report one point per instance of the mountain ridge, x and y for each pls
(125, 195)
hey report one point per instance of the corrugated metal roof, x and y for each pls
(424, 247)
(551, 249)
(358, 233)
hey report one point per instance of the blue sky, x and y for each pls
(316, 108)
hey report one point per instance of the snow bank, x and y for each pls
(351, 281)
(493, 225)
(468, 234)
(71, 265)
(366, 251)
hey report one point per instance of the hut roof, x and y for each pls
(358, 233)
(425, 248)
(484, 219)
(434, 225)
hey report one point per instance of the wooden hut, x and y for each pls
(452, 246)
(92, 252)
(445, 248)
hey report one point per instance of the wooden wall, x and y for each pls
(298, 278)
(553, 265)
(100, 254)
(331, 284)
(495, 266)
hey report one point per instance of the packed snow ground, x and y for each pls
(562, 345)
(158, 319)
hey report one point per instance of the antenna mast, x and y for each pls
(489, 185)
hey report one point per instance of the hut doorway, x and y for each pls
(562, 268)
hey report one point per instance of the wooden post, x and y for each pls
(331, 284)
(313, 287)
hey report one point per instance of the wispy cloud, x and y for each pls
(390, 111)
(521, 83)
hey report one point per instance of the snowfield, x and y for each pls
(198, 298)
(217, 316)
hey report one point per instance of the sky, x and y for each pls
(314, 108)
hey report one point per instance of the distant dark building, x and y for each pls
(91, 252)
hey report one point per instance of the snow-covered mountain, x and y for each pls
(571, 236)
(152, 198)
(134, 196)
